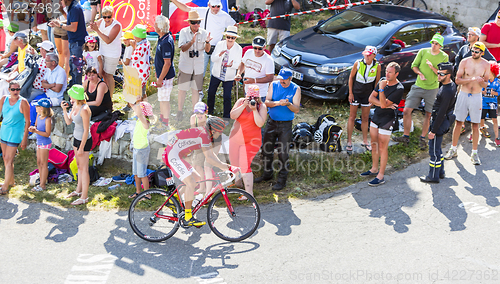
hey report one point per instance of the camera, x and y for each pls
(193, 53)
(252, 101)
(68, 103)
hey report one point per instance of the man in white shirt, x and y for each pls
(193, 41)
(55, 81)
(258, 67)
(214, 20)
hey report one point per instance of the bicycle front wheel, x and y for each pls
(151, 219)
(414, 3)
(234, 220)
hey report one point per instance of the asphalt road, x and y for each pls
(400, 232)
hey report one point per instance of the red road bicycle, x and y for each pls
(158, 218)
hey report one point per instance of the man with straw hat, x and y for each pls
(193, 41)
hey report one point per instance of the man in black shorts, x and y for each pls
(385, 97)
(441, 119)
(364, 75)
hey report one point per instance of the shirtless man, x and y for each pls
(473, 73)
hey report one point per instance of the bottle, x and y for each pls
(114, 186)
(197, 200)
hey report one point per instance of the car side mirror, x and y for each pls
(394, 47)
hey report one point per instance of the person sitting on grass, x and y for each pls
(42, 129)
(140, 158)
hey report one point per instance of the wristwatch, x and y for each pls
(61, 25)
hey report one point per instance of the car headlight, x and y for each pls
(333, 68)
(277, 51)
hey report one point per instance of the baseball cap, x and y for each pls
(259, 41)
(200, 107)
(284, 74)
(215, 2)
(90, 39)
(475, 30)
(20, 35)
(448, 66)
(479, 45)
(44, 103)
(128, 35)
(369, 50)
(46, 44)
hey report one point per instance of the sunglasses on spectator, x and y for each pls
(15, 89)
(195, 22)
(258, 48)
(106, 17)
(230, 37)
(216, 6)
(442, 74)
(475, 51)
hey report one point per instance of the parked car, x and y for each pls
(322, 56)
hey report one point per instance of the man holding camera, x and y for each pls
(193, 40)
(283, 101)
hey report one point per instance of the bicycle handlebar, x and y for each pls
(232, 176)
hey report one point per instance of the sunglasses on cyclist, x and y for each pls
(15, 89)
(106, 17)
(475, 51)
(195, 22)
(230, 37)
(216, 6)
(441, 74)
(258, 48)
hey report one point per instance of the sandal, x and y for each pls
(348, 149)
(37, 188)
(146, 197)
(4, 192)
(134, 195)
(368, 147)
(80, 201)
(74, 193)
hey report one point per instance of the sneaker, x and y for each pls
(450, 154)
(484, 132)
(201, 96)
(470, 138)
(193, 222)
(475, 159)
(497, 142)
(120, 177)
(126, 109)
(376, 182)
(422, 143)
(402, 139)
(368, 173)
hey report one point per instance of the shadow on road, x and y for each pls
(387, 202)
(7, 209)
(175, 257)
(280, 215)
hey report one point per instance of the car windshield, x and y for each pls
(358, 28)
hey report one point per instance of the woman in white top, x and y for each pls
(226, 59)
(109, 31)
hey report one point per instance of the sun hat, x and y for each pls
(90, 38)
(77, 92)
(46, 44)
(479, 45)
(13, 27)
(369, 50)
(128, 35)
(200, 107)
(232, 31)
(284, 73)
(253, 91)
(259, 41)
(193, 16)
(475, 30)
(146, 108)
(139, 31)
(438, 38)
(44, 103)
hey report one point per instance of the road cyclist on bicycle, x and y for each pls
(179, 145)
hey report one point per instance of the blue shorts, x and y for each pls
(140, 162)
(11, 144)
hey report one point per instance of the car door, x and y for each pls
(411, 38)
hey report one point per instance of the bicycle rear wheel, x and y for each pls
(414, 3)
(237, 225)
(150, 219)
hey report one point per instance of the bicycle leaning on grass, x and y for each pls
(158, 218)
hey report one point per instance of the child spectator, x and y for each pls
(91, 54)
(128, 40)
(42, 129)
(144, 112)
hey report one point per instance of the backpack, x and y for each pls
(327, 133)
(163, 178)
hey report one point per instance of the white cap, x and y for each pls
(215, 2)
(47, 45)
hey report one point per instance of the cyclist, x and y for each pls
(180, 144)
